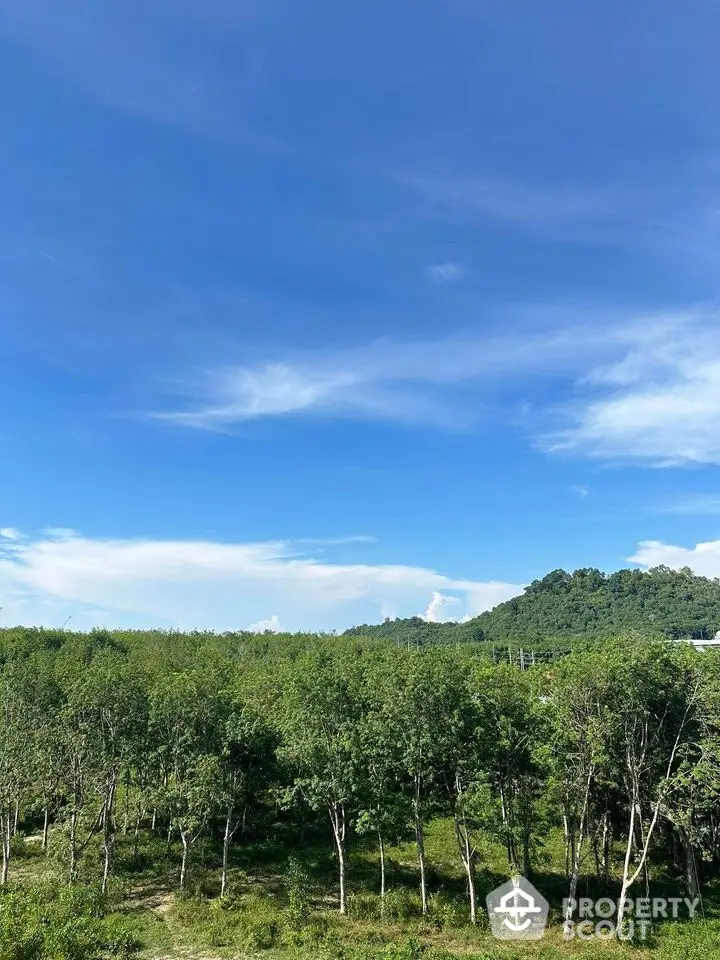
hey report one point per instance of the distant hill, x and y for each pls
(586, 604)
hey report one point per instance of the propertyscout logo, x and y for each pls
(517, 911)
(598, 919)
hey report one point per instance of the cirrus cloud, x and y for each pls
(637, 387)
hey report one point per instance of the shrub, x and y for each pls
(18, 848)
(697, 940)
(261, 933)
(363, 906)
(65, 923)
(402, 904)
(447, 911)
(298, 893)
(260, 923)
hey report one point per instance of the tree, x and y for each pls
(184, 725)
(515, 776)
(379, 768)
(580, 724)
(654, 720)
(420, 711)
(317, 718)
(15, 726)
(245, 762)
(107, 710)
(467, 780)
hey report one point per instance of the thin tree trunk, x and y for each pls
(16, 819)
(381, 845)
(466, 847)
(606, 849)
(226, 846)
(183, 867)
(471, 892)
(641, 846)
(108, 832)
(45, 829)
(126, 820)
(577, 847)
(509, 843)
(337, 819)
(420, 843)
(136, 833)
(6, 828)
(626, 866)
(628, 880)
(691, 873)
(73, 845)
(596, 856)
(467, 855)
(566, 836)
(526, 850)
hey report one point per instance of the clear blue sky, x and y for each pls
(318, 313)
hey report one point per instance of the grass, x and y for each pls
(282, 905)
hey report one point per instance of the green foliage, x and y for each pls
(586, 604)
(447, 912)
(402, 905)
(264, 771)
(689, 941)
(298, 892)
(69, 923)
(251, 924)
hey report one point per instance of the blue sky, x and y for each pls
(316, 314)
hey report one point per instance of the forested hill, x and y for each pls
(586, 604)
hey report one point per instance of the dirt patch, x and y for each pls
(157, 899)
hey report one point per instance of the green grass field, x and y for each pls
(281, 905)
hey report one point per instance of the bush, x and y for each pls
(363, 906)
(261, 933)
(696, 940)
(448, 912)
(401, 905)
(260, 924)
(252, 924)
(316, 932)
(118, 938)
(298, 892)
(65, 923)
(18, 848)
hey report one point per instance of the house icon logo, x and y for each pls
(517, 911)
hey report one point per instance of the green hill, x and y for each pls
(586, 604)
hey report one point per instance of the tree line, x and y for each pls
(575, 606)
(185, 736)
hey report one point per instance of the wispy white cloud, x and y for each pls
(580, 490)
(674, 221)
(657, 402)
(644, 387)
(219, 586)
(515, 202)
(447, 272)
(701, 506)
(412, 382)
(703, 558)
(634, 386)
(9, 533)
